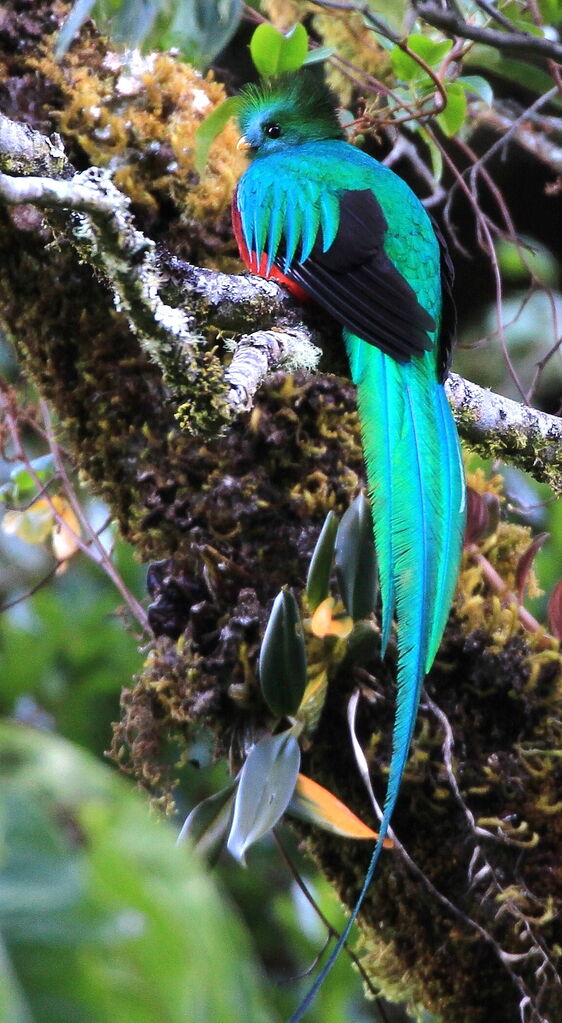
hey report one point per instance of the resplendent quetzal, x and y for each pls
(335, 224)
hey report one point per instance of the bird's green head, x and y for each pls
(287, 111)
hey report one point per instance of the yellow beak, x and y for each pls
(243, 144)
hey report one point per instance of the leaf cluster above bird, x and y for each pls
(337, 226)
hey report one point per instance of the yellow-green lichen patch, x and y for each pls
(138, 115)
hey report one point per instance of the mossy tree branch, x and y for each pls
(95, 217)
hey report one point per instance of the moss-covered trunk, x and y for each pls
(230, 521)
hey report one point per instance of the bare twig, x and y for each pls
(332, 932)
(507, 960)
(535, 134)
(92, 546)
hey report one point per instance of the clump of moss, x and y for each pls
(138, 115)
(499, 688)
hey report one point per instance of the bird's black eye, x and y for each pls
(273, 131)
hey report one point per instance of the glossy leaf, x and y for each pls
(525, 563)
(38, 522)
(313, 700)
(282, 662)
(274, 53)
(23, 480)
(479, 86)
(320, 568)
(510, 70)
(211, 127)
(362, 642)
(319, 54)
(132, 21)
(33, 525)
(430, 51)
(76, 18)
(209, 823)
(198, 28)
(554, 611)
(312, 802)
(454, 114)
(266, 785)
(356, 565)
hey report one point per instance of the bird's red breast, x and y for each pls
(259, 267)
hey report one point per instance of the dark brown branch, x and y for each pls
(521, 44)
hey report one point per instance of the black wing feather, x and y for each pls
(448, 333)
(357, 284)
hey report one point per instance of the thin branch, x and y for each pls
(256, 355)
(512, 130)
(505, 958)
(98, 549)
(535, 134)
(92, 547)
(522, 44)
(332, 931)
(492, 12)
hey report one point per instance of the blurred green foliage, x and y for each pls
(65, 650)
(197, 28)
(101, 915)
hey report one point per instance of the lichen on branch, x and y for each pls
(95, 217)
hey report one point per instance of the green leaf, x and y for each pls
(282, 663)
(102, 916)
(21, 480)
(453, 116)
(551, 10)
(211, 127)
(320, 53)
(479, 86)
(435, 154)
(517, 262)
(76, 18)
(534, 79)
(209, 823)
(356, 564)
(391, 11)
(267, 782)
(320, 568)
(199, 28)
(430, 51)
(132, 21)
(274, 53)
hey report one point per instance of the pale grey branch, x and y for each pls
(501, 428)
(95, 217)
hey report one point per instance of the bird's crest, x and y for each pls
(301, 102)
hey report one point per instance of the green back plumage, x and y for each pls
(289, 200)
